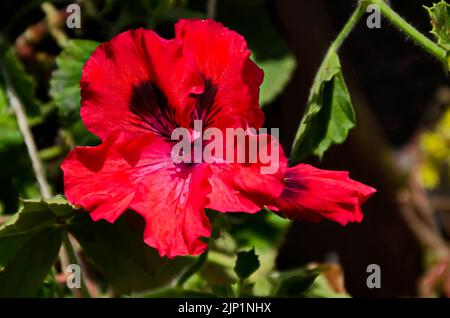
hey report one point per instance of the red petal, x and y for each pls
(98, 179)
(172, 201)
(315, 194)
(125, 69)
(242, 187)
(139, 174)
(223, 58)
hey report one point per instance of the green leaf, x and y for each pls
(295, 283)
(50, 287)
(65, 81)
(440, 21)
(329, 113)
(265, 229)
(321, 288)
(121, 255)
(30, 241)
(58, 205)
(13, 72)
(65, 86)
(277, 74)
(246, 264)
(29, 245)
(24, 274)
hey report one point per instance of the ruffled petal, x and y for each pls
(249, 187)
(139, 173)
(315, 194)
(232, 79)
(138, 82)
(99, 179)
(172, 201)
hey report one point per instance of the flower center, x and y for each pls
(153, 112)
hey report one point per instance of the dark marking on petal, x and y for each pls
(205, 108)
(87, 92)
(152, 111)
(109, 51)
(151, 107)
(292, 188)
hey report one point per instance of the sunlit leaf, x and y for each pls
(440, 21)
(29, 244)
(65, 86)
(294, 283)
(277, 74)
(329, 113)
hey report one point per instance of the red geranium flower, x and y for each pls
(313, 194)
(136, 89)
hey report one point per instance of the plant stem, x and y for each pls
(52, 16)
(73, 260)
(25, 130)
(343, 34)
(211, 9)
(420, 39)
(221, 259)
(46, 192)
(348, 27)
(51, 152)
(193, 269)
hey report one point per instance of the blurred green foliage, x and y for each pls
(435, 147)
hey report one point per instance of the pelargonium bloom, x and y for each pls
(314, 194)
(136, 89)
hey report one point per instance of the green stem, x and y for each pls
(73, 260)
(348, 27)
(221, 259)
(24, 127)
(409, 30)
(193, 269)
(51, 152)
(346, 30)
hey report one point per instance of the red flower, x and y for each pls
(136, 89)
(313, 194)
